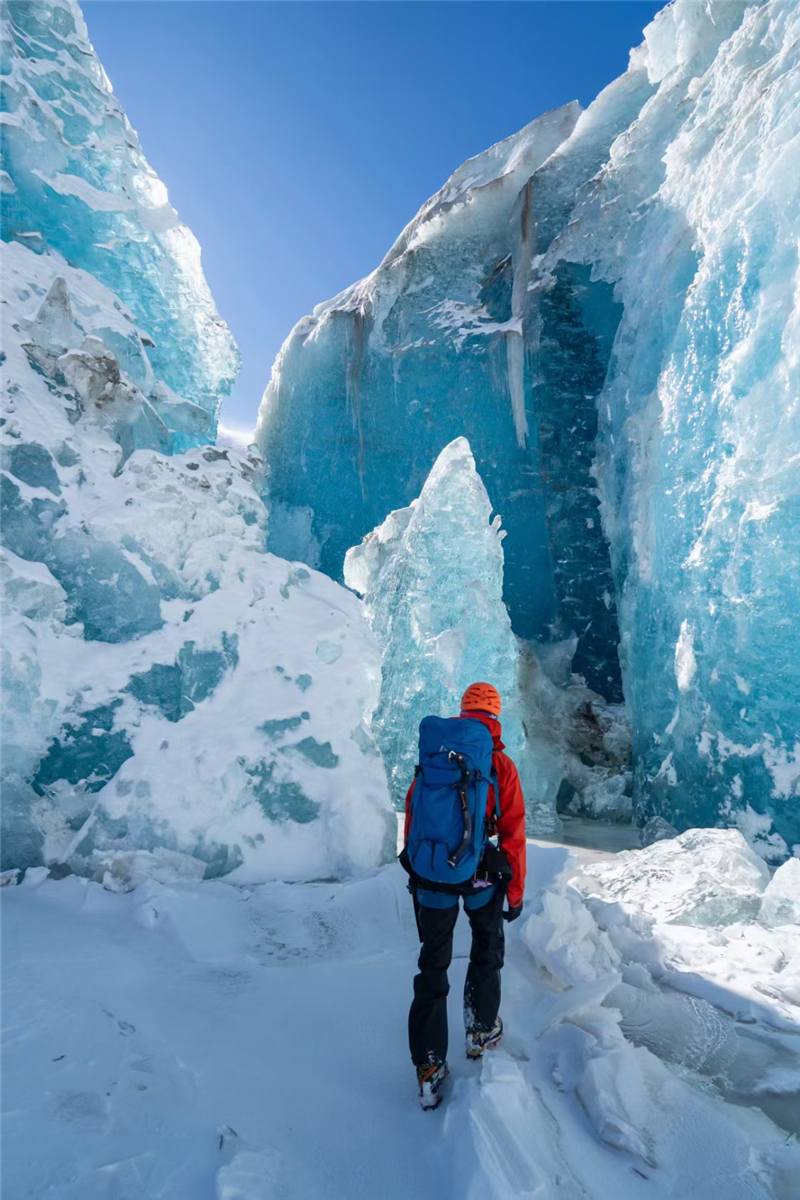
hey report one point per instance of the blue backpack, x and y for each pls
(448, 832)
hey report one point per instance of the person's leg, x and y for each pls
(482, 987)
(427, 1020)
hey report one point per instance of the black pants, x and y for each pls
(427, 1020)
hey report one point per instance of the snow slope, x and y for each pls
(187, 1037)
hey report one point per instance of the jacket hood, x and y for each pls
(491, 723)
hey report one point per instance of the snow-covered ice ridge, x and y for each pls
(75, 181)
(605, 305)
(177, 702)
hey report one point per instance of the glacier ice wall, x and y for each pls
(176, 700)
(426, 349)
(694, 220)
(75, 181)
(617, 338)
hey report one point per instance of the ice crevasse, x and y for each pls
(177, 701)
(605, 306)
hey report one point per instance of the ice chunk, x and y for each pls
(54, 329)
(781, 902)
(565, 940)
(615, 1095)
(701, 877)
(434, 576)
(657, 830)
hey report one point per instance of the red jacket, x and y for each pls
(510, 825)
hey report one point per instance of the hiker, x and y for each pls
(465, 791)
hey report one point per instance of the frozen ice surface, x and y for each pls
(77, 184)
(701, 877)
(781, 902)
(566, 1106)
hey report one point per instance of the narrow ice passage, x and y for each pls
(206, 1040)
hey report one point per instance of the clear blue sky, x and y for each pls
(297, 139)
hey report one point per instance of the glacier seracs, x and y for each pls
(605, 304)
(176, 701)
(426, 349)
(75, 181)
(432, 580)
(694, 221)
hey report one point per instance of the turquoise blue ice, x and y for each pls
(75, 182)
(605, 304)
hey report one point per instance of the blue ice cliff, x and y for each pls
(605, 305)
(176, 700)
(75, 182)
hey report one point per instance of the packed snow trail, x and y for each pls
(193, 1040)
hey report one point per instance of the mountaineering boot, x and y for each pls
(430, 1077)
(477, 1042)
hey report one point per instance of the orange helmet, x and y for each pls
(483, 697)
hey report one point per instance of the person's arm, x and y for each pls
(510, 827)
(409, 810)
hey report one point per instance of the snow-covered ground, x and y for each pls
(203, 1039)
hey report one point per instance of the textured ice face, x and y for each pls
(75, 181)
(617, 340)
(169, 688)
(694, 221)
(176, 701)
(432, 579)
(702, 877)
(430, 348)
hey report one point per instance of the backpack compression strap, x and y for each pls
(462, 793)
